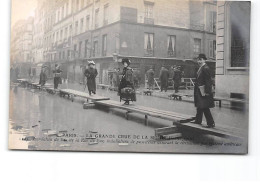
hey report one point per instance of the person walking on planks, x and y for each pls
(164, 77)
(150, 78)
(43, 76)
(203, 96)
(126, 89)
(177, 75)
(91, 74)
(57, 76)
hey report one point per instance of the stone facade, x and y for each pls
(235, 77)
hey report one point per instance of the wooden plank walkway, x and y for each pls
(178, 96)
(73, 93)
(218, 131)
(166, 115)
(219, 99)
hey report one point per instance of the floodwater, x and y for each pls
(41, 121)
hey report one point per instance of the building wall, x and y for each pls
(165, 12)
(228, 79)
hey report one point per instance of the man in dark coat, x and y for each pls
(91, 74)
(57, 76)
(150, 78)
(203, 96)
(177, 75)
(164, 76)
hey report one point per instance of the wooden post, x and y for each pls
(146, 120)
(126, 115)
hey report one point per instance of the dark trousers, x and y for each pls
(56, 82)
(207, 114)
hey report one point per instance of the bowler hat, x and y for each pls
(202, 56)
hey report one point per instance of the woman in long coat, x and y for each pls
(126, 88)
(43, 76)
(203, 96)
(91, 74)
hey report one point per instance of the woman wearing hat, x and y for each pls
(126, 89)
(203, 96)
(91, 74)
(43, 76)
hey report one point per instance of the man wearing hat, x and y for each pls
(164, 77)
(126, 89)
(91, 74)
(57, 76)
(177, 75)
(203, 96)
(150, 78)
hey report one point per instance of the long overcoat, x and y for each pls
(164, 77)
(91, 74)
(127, 80)
(203, 79)
(150, 77)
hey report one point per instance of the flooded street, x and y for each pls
(41, 121)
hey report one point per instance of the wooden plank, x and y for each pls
(230, 99)
(83, 95)
(216, 131)
(172, 136)
(151, 110)
(166, 130)
(133, 108)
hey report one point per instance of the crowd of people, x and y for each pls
(164, 77)
(126, 83)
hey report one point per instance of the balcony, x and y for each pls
(148, 20)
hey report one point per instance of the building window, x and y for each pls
(66, 34)
(80, 46)
(148, 44)
(212, 49)
(76, 27)
(104, 45)
(62, 12)
(81, 25)
(77, 5)
(67, 9)
(82, 4)
(57, 36)
(70, 34)
(106, 14)
(68, 54)
(148, 13)
(95, 49)
(87, 23)
(240, 34)
(197, 46)
(212, 21)
(171, 46)
(63, 55)
(96, 18)
(61, 35)
(75, 50)
(86, 48)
